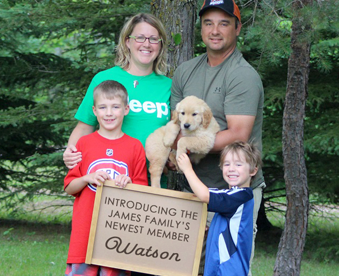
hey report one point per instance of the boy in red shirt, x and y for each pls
(106, 154)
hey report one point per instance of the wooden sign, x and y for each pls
(145, 229)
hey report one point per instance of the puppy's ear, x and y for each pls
(175, 114)
(175, 117)
(206, 117)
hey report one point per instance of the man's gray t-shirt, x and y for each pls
(231, 88)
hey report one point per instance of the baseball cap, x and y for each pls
(227, 6)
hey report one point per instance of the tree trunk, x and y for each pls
(179, 18)
(292, 242)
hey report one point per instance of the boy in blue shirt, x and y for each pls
(229, 240)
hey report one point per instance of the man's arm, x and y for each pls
(71, 156)
(239, 127)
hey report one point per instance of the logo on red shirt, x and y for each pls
(111, 166)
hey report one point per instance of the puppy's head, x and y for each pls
(193, 113)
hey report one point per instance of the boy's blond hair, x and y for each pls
(251, 152)
(110, 89)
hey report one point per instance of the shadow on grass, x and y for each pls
(26, 230)
(268, 240)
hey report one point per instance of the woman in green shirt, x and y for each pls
(140, 65)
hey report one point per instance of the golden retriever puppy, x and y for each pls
(194, 118)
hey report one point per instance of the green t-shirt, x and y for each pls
(231, 88)
(148, 97)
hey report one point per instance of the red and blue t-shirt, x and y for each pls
(125, 155)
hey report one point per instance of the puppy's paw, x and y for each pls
(168, 140)
(195, 158)
(182, 146)
(173, 160)
(171, 132)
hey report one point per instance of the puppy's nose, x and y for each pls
(187, 125)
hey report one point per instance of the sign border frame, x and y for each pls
(150, 190)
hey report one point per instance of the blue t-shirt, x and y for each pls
(229, 241)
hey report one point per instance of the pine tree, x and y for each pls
(49, 52)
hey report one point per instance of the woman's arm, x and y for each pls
(71, 156)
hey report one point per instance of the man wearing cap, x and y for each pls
(230, 86)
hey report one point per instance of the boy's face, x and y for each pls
(236, 171)
(110, 113)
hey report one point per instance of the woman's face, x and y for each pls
(143, 54)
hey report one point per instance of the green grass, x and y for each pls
(34, 237)
(33, 249)
(41, 248)
(321, 252)
(41, 208)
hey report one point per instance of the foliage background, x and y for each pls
(50, 50)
